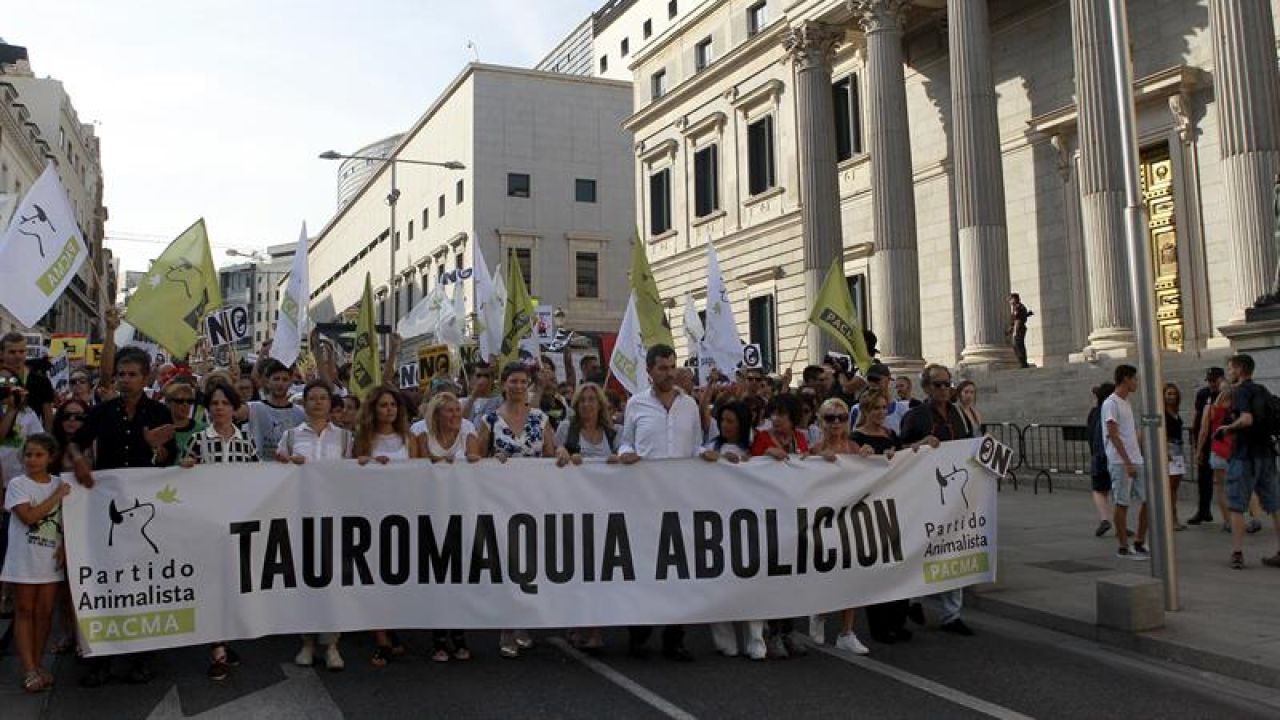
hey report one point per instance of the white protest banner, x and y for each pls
(60, 371)
(227, 325)
(544, 324)
(170, 557)
(407, 375)
(751, 357)
(41, 251)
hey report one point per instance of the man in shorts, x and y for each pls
(1252, 467)
(1124, 464)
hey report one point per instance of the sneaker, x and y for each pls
(1141, 549)
(507, 645)
(794, 645)
(1254, 526)
(957, 627)
(756, 649)
(306, 657)
(1124, 553)
(849, 642)
(333, 659)
(1198, 518)
(1273, 561)
(1104, 527)
(523, 640)
(818, 628)
(775, 649)
(1237, 561)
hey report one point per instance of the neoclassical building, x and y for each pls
(952, 152)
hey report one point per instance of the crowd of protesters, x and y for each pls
(135, 415)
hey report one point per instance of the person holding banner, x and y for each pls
(316, 439)
(589, 432)
(382, 435)
(130, 431)
(661, 422)
(834, 441)
(220, 442)
(269, 418)
(519, 431)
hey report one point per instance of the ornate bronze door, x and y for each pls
(1156, 171)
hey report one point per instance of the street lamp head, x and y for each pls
(330, 155)
(455, 165)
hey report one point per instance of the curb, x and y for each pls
(1136, 642)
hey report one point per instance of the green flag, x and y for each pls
(654, 326)
(834, 313)
(518, 319)
(366, 370)
(180, 289)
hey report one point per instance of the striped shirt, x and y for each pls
(208, 447)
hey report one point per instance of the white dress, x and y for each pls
(457, 451)
(390, 446)
(33, 551)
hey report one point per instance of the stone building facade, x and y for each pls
(952, 152)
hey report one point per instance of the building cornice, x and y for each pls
(1172, 81)
(766, 40)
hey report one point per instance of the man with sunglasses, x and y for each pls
(938, 419)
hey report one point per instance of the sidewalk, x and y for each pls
(1049, 561)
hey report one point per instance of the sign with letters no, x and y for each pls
(227, 325)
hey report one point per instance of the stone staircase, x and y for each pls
(1062, 394)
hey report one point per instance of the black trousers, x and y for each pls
(1204, 483)
(1020, 347)
(672, 635)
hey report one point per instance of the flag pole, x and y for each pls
(804, 342)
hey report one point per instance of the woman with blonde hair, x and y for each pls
(589, 432)
(834, 440)
(449, 436)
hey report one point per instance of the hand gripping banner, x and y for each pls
(164, 558)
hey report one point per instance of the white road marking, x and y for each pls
(299, 695)
(925, 685)
(641, 692)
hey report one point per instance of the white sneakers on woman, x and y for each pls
(850, 643)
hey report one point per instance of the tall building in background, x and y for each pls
(605, 44)
(49, 124)
(352, 174)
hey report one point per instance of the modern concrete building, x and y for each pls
(257, 285)
(548, 176)
(353, 174)
(73, 146)
(604, 44)
(952, 152)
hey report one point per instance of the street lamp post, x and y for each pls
(392, 197)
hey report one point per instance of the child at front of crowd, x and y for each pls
(35, 561)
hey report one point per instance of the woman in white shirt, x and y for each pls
(588, 433)
(382, 435)
(449, 436)
(316, 439)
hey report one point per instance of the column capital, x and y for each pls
(879, 15)
(812, 43)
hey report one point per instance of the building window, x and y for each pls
(648, 29)
(706, 180)
(584, 190)
(408, 294)
(848, 118)
(440, 206)
(604, 64)
(756, 18)
(410, 231)
(524, 258)
(660, 202)
(518, 185)
(426, 218)
(624, 47)
(396, 241)
(586, 272)
(702, 55)
(458, 193)
(658, 83)
(763, 330)
(858, 291)
(672, 9)
(762, 171)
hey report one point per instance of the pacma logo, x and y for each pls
(132, 519)
(958, 477)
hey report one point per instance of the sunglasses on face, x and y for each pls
(940, 384)
(78, 417)
(836, 418)
(181, 401)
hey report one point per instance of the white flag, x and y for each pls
(291, 316)
(41, 251)
(692, 326)
(627, 361)
(425, 317)
(488, 322)
(452, 316)
(720, 341)
(496, 311)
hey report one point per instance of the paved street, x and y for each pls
(1008, 670)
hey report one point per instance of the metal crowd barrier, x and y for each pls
(1008, 434)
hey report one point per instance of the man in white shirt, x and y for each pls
(660, 423)
(1124, 460)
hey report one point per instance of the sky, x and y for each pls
(218, 109)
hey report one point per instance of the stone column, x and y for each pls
(1248, 107)
(895, 281)
(1101, 180)
(979, 183)
(811, 47)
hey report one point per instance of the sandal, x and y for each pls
(219, 668)
(34, 682)
(381, 656)
(440, 655)
(462, 653)
(397, 647)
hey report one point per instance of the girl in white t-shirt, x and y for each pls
(34, 562)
